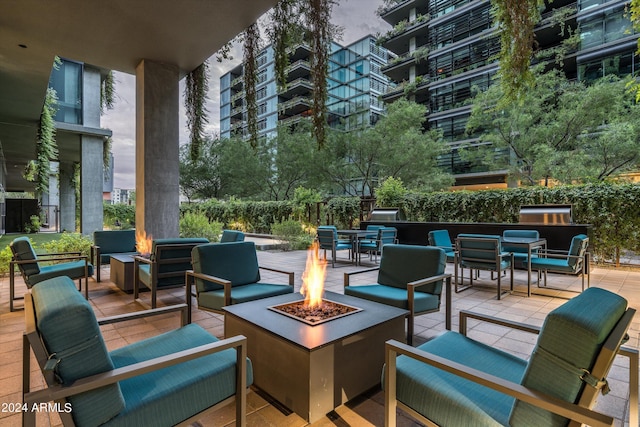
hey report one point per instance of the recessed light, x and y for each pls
(24, 46)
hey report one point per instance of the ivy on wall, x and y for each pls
(38, 170)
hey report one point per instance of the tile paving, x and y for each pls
(366, 410)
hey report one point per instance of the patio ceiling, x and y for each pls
(113, 35)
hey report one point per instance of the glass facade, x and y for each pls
(605, 27)
(66, 80)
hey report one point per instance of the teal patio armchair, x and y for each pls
(454, 380)
(111, 242)
(573, 261)
(165, 267)
(228, 273)
(481, 252)
(409, 277)
(327, 237)
(170, 379)
(520, 254)
(384, 236)
(441, 239)
(71, 264)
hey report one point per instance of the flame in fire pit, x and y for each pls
(143, 242)
(313, 278)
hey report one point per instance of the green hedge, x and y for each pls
(611, 209)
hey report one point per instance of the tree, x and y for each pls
(558, 129)
(199, 178)
(395, 147)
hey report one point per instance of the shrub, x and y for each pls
(196, 224)
(69, 242)
(5, 257)
(292, 233)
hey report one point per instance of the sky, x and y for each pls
(357, 17)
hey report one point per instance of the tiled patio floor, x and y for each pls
(366, 410)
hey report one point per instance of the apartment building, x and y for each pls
(355, 85)
(444, 48)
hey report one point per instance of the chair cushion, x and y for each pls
(115, 242)
(23, 251)
(395, 296)
(231, 236)
(215, 299)
(449, 400)
(171, 395)
(72, 269)
(401, 264)
(236, 262)
(555, 264)
(69, 328)
(574, 332)
(529, 234)
(578, 247)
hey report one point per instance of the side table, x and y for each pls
(122, 272)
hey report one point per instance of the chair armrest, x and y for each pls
(291, 274)
(182, 308)
(144, 260)
(55, 257)
(347, 276)
(464, 315)
(100, 380)
(421, 282)
(226, 284)
(411, 288)
(533, 397)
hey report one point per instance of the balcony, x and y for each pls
(298, 87)
(399, 11)
(397, 40)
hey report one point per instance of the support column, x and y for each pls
(67, 206)
(91, 155)
(157, 149)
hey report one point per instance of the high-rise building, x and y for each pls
(355, 85)
(446, 47)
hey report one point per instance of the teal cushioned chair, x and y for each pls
(231, 236)
(574, 261)
(384, 236)
(76, 266)
(520, 254)
(166, 265)
(128, 386)
(454, 380)
(228, 273)
(111, 242)
(482, 252)
(409, 277)
(328, 241)
(441, 239)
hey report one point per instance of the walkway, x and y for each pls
(368, 410)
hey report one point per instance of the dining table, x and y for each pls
(355, 235)
(530, 244)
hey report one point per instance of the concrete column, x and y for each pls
(91, 178)
(91, 153)
(157, 149)
(67, 206)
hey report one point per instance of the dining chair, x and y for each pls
(482, 252)
(520, 254)
(574, 261)
(327, 237)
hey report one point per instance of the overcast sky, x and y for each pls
(357, 17)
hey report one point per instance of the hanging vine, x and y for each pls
(516, 19)
(195, 93)
(107, 92)
(634, 8)
(38, 170)
(285, 31)
(251, 47)
(318, 18)
(106, 153)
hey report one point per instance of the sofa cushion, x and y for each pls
(450, 400)
(396, 297)
(23, 251)
(69, 329)
(72, 269)
(171, 395)
(574, 332)
(215, 299)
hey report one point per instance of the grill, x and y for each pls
(386, 214)
(545, 214)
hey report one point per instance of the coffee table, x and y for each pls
(122, 271)
(314, 369)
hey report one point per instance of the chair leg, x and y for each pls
(410, 329)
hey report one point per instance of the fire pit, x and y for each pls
(327, 310)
